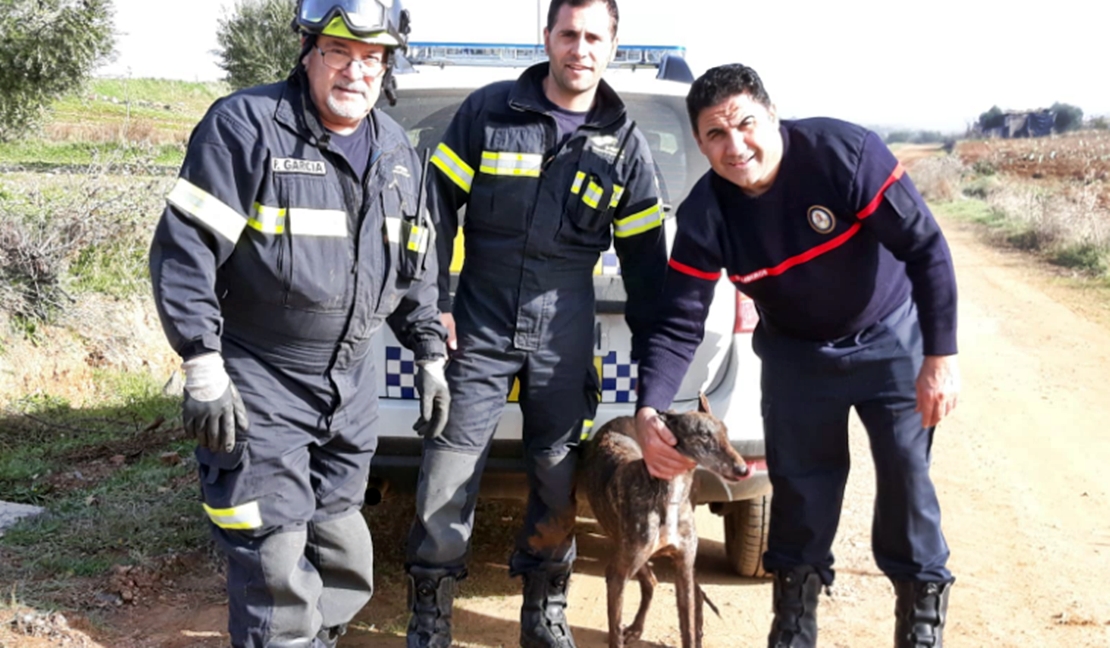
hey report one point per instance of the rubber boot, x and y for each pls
(795, 605)
(543, 619)
(431, 597)
(329, 637)
(919, 613)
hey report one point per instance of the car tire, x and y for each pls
(746, 526)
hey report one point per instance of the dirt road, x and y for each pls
(1022, 468)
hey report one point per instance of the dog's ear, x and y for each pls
(703, 404)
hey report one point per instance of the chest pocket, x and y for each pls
(317, 255)
(595, 192)
(504, 190)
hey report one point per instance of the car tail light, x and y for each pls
(746, 314)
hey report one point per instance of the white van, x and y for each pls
(725, 368)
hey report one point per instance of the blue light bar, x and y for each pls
(519, 55)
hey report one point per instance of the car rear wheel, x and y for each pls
(746, 526)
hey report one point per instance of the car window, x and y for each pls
(425, 115)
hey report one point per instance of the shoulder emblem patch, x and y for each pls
(293, 165)
(821, 219)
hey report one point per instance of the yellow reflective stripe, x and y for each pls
(618, 191)
(592, 195)
(587, 425)
(244, 516)
(207, 209)
(418, 239)
(317, 222)
(268, 220)
(641, 221)
(577, 186)
(511, 164)
(453, 167)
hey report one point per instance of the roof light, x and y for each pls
(508, 55)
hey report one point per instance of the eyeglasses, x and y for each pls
(338, 60)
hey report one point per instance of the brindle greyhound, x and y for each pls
(646, 516)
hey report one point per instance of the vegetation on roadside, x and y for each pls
(1065, 223)
(117, 481)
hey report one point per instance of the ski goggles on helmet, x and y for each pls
(364, 20)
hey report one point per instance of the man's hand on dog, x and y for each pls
(657, 444)
(938, 388)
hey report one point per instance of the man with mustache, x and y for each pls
(292, 234)
(820, 225)
(551, 171)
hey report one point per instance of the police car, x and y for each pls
(653, 82)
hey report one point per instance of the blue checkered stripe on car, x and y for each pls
(618, 378)
(400, 373)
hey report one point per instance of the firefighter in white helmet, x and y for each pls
(292, 234)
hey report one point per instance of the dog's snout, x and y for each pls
(742, 470)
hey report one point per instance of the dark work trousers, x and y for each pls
(285, 503)
(808, 389)
(551, 359)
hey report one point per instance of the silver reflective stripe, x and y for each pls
(511, 164)
(207, 209)
(244, 516)
(592, 195)
(578, 179)
(641, 221)
(453, 167)
(268, 220)
(317, 222)
(393, 229)
(618, 191)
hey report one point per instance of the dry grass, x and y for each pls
(1046, 196)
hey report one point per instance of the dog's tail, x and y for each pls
(704, 598)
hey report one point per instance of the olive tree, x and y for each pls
(47, 48)
(257, 43)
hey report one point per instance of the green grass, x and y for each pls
(125, 120)
(46, 155)
(101, 511)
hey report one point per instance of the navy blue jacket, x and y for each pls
(839, 241)
(538, 215)
(269, 239)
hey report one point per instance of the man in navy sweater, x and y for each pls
(819, 224)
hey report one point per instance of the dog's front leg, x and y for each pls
(616, 577)
(686, 592)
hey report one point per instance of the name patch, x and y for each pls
(293, 165)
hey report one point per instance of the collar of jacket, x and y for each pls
(527, 94)
(297, 112)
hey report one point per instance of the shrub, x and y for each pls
(257, 45)
(46, 48)
(1085, 257)
(1068, 117)
(993, 118)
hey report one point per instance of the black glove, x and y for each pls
(435, 398)
(213, 423)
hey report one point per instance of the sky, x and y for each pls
(923, 65)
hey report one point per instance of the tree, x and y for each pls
(1068, 117)
(257, 44)
(47, 49)
(993, 118)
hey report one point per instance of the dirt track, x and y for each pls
(1023, 471)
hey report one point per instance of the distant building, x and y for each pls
(1029, 123)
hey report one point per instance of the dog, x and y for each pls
(647, 517)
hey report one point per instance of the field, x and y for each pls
(1077, 159)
